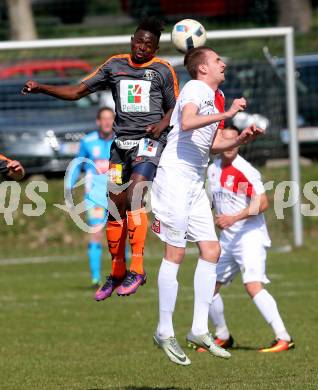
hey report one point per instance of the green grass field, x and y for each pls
(55, 336)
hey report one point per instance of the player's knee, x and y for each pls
(117, 206)
(211, 252)
(136, 195)
(253, 288)
(122, 214)
(174, 254)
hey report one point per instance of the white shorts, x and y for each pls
(181, 207)
(246, 254)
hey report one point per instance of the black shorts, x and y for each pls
(123, 161)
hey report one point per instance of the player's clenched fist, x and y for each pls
(224, 221)
(154, 130)
(30, 87)
(237, 105)
(15, 170)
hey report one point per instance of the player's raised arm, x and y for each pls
(221, 143)
(191, 120)
(64, 92)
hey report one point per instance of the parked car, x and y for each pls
(307, 93)
(65, 67)
(40, 131)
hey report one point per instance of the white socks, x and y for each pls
(204, 285)
(266, 304)
(216, 314)
(168, 290)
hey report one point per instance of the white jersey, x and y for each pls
(191, 147)
(231, 189)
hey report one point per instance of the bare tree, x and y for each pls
(22, 26)
(295, 13)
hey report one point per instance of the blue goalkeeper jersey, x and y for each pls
(93, 159)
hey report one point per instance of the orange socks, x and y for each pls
(116, 233)
(137, 230)
(137, 222)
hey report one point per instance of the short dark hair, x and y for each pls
(195, 57)
(151, 24)
(102, 109)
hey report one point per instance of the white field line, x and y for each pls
(72, 258)
(66, 298)
(39, 260)
(64, 259)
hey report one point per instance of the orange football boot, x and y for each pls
(279, 345)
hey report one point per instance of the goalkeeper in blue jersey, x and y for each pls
(94, 152)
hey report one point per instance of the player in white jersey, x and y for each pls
(239, 200)
(179, 201)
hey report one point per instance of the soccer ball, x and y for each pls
(188, 33)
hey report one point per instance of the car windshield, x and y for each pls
(308, 76)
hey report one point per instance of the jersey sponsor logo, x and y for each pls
(155, 227)
(102, 166)
(147, 147)
(135, 95)
(127, 144)
(96, 151)
(223, 196)
(209, 103)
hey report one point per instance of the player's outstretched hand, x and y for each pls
(154, 130)
(16, 170)
(223, 221)
(237, 105)
(30, 87)
(250, 133)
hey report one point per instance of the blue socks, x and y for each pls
(95, 251)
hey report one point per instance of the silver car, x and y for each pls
(40, 131)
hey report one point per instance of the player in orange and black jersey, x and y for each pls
(144, 89)
(10, 169)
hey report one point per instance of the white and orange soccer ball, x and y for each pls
(188, 33)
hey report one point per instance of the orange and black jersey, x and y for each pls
(143, 93)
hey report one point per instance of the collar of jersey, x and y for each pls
(110, 139)
(143, 65)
